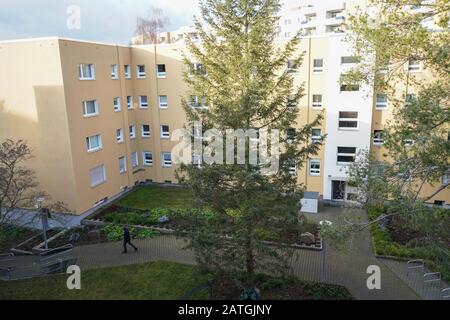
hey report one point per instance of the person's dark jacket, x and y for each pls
(126, 234)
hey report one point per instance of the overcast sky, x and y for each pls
(101, 20)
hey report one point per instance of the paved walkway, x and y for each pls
(344, 268)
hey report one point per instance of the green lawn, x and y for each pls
(157, 197)
(150, 281)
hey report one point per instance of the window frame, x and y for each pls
(165, 163)
(103, 173)
(88, 115)
(145, 134)
(141, 104)
(132, 131)
(164, 134)
(121, 136)
(130, 102)
(127, 71)
(415, 67)
(114, 72)
(117, 107)
(163, 106)
(316, 139)
(140, 74)
(90, 149)
(314, 171)
(161, 74)
(345, 154)
(378, 141)
(318, 69)
(350, 120)
(134, 156)
(81, 75)
(317, 105)
(144, 159)
(124, 170)
(381, 105)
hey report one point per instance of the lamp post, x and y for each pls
(44, 213)
(323, 274)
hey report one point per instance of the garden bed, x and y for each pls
(11, 236)
(94, 234)
(393, 240)
(34, 243)
(280, 288)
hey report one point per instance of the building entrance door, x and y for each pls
(338, 189)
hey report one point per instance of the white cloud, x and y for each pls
(101, 20)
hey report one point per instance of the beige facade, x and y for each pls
(44, 101)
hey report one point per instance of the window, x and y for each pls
(348, 120)
(378, 137)
(410, 98)
(346, 154)
(165, 133)
(134, 159)
(381, 101)
(94, 143)
(86, 72)
(291, 133)
(317, 65)
(122, 165)
(143, 102)
(90, 108)
(119, 135)
(414, 65)
(130, 104)
(98, 175)
(287, 34)
(161, 70)
(195, 103)
(349, 87)
(196, 161)
(132, 132)
(291, 102)
(317, 101)
(166, 159)
(162, 102)
(140, 71)
(127, 71)
(314, 167)
(114, 72)
(349, 60)
(408, 142)
(117, 106)
(292, 168)
(316, 135)
(145, 131)
(439, 203)
(287, 21)
(147, 158)
(199, 69)
(291, 66)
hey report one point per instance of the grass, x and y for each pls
(151, 281)
(157, 197)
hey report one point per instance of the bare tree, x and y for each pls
(148, 28)
(18, 184)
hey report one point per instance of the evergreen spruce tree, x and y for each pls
(243, 79)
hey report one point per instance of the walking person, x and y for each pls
(127, 240)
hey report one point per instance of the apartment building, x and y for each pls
(99, 117)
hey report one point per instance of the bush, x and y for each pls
(320, 291)
(115, 233)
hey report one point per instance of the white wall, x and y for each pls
(360, 101)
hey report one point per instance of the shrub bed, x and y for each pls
(386, 243)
